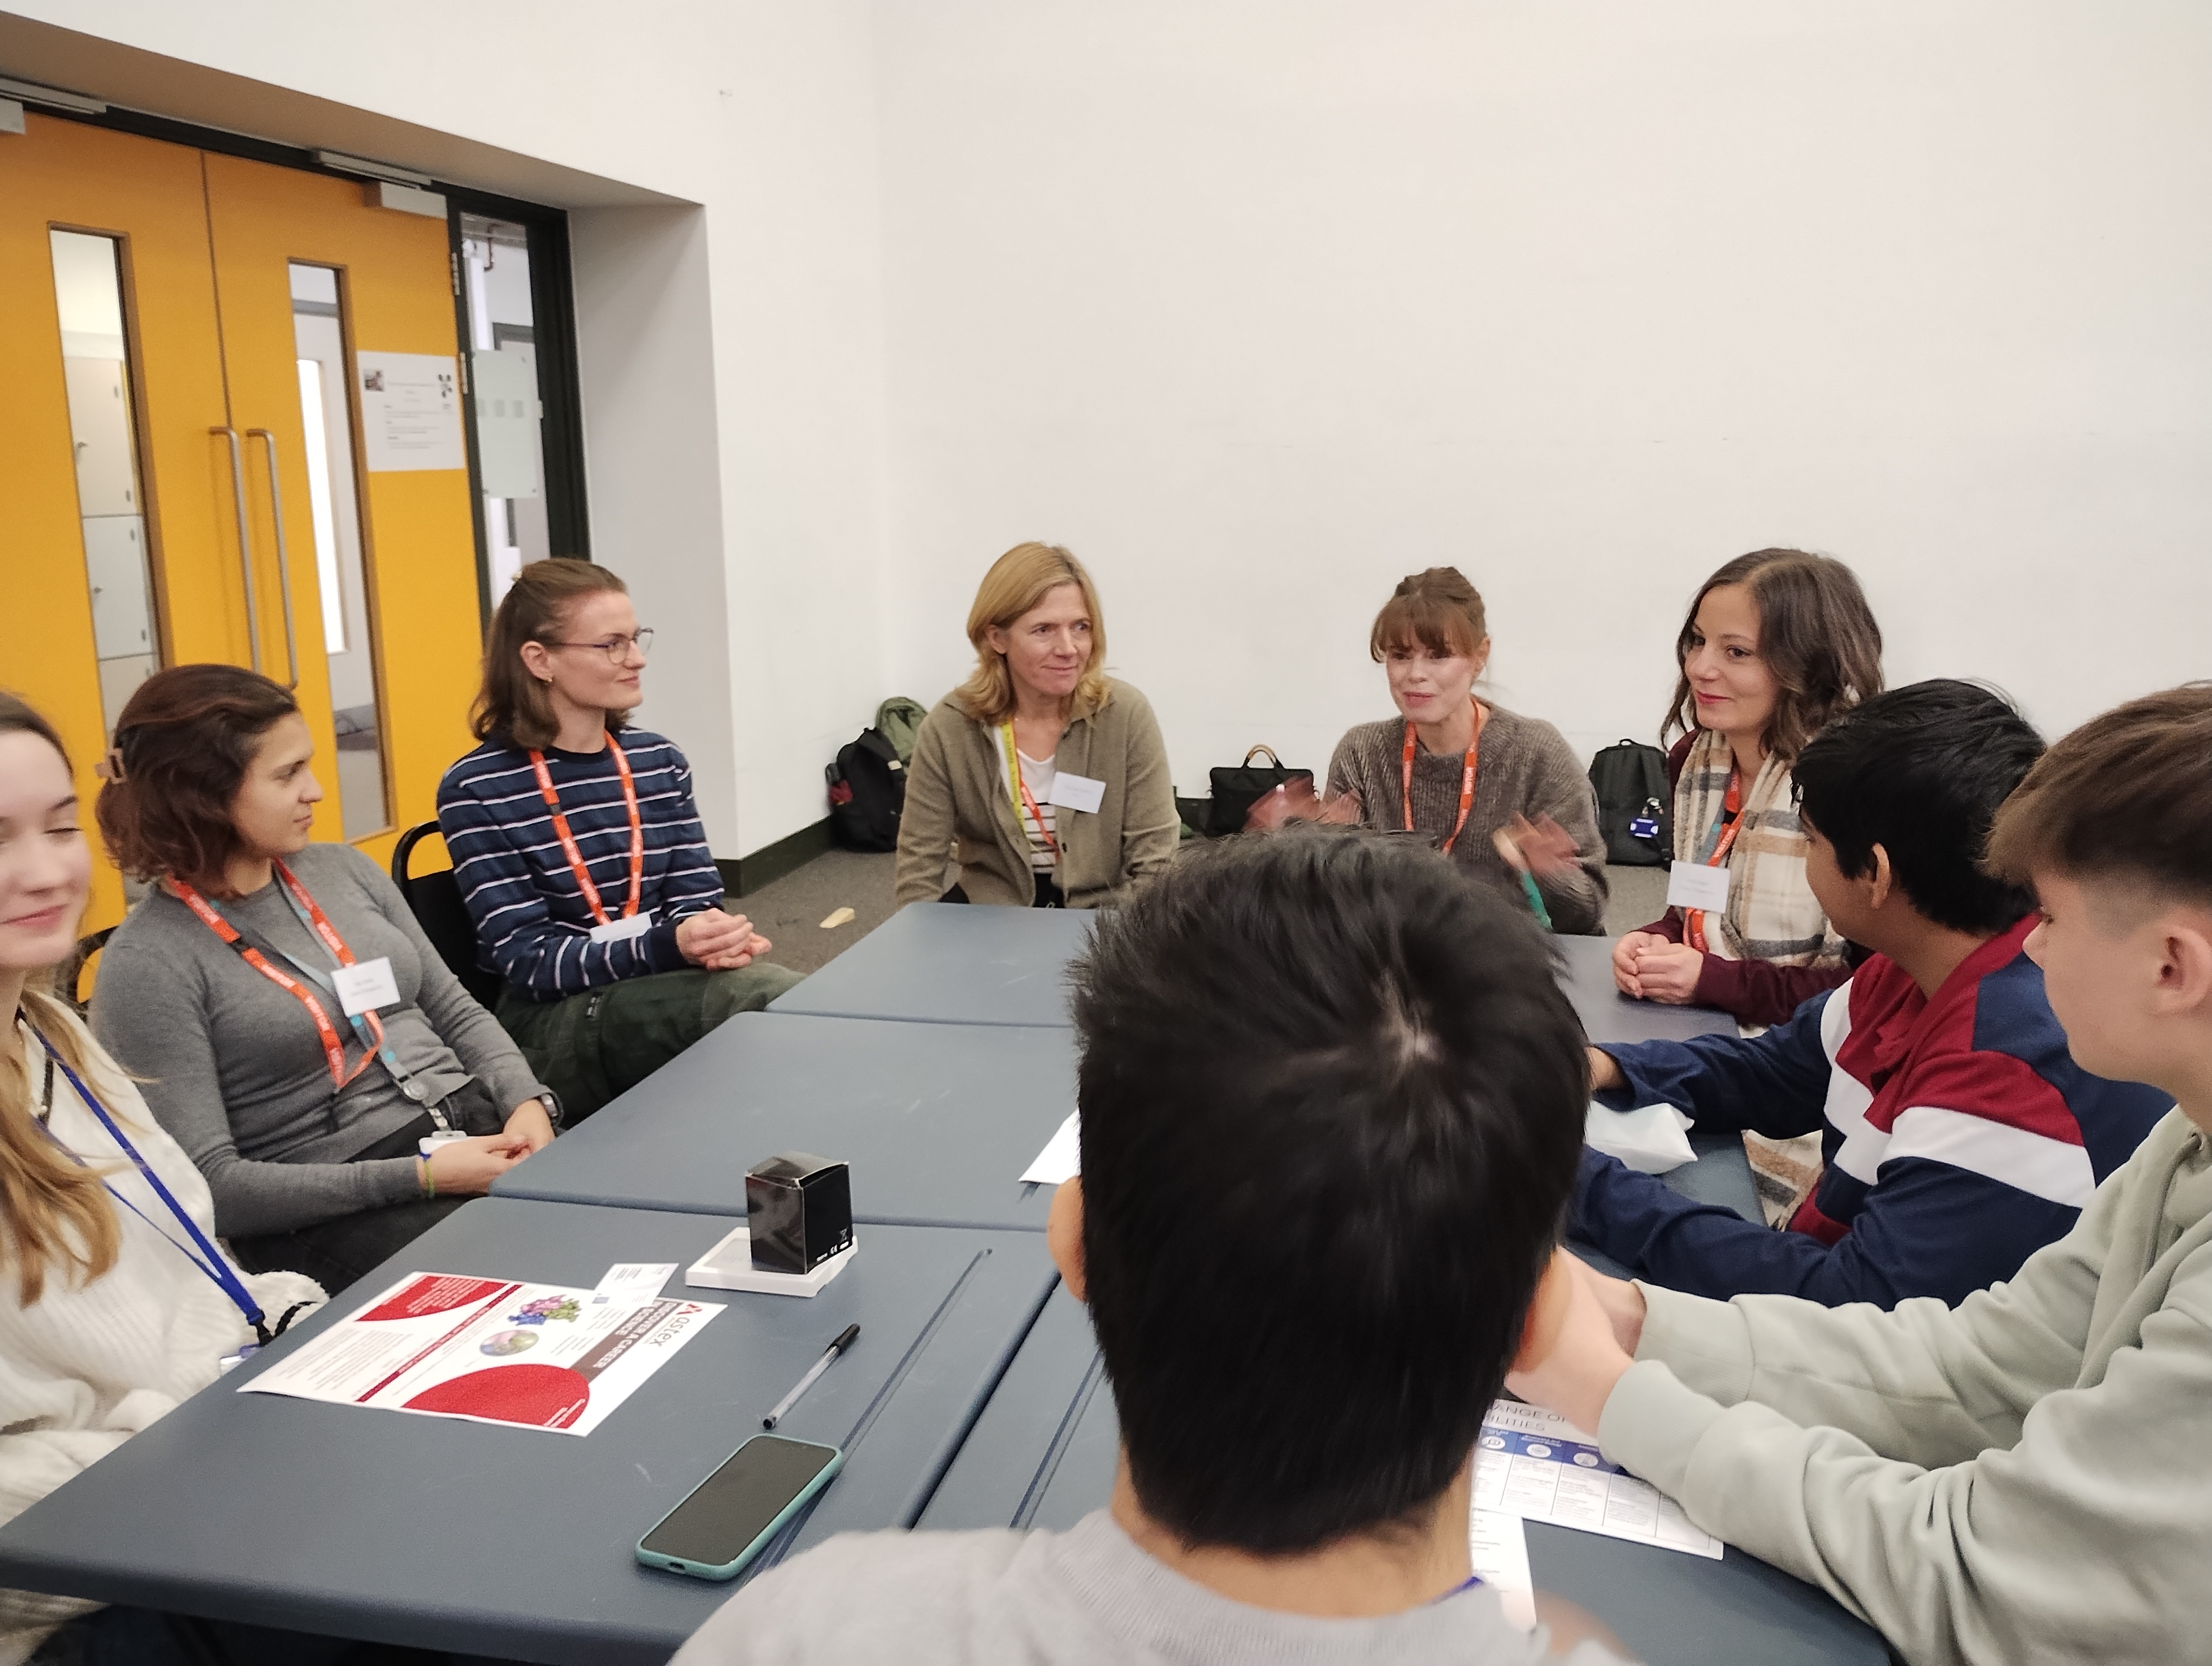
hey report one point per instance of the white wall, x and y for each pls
(1259, 305)
(732, 351)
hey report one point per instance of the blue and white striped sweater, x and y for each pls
(532, 924)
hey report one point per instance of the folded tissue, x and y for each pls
(1651, 1138)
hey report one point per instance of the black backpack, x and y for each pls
(868, 790)
(1633, 804)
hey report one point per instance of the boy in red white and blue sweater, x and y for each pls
(1958, 1135)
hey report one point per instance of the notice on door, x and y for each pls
(410, 411)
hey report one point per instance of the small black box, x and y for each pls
(799, 1211)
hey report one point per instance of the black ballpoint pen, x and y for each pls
(845, 1340)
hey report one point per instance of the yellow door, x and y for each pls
(77, 197)
(387, 665)
(186, 345)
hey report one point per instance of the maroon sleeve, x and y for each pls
(1670, 924)
(1760, 991)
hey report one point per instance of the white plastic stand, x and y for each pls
(729, 1266)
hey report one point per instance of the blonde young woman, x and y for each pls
(116, 1302)
(1045, 779)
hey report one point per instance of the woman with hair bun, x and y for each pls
(1500, 795)
(1777, 642)
(293, 1029)
(1044, 778)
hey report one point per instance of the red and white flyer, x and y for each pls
(534, 1356)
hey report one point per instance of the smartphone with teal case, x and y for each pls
(736, 1512)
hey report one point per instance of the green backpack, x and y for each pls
(899, 719)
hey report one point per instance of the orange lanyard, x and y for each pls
(333, 1044)
(1466, 781)
(590, 891)
(1694, 919)
(1026, 798)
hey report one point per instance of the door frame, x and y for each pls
(553, 308)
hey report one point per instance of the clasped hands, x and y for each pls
(1651, 968)
(720, 942)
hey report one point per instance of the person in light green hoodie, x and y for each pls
(2026, 1476)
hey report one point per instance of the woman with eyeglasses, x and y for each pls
(579, 852)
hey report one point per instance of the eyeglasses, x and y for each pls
(616, 648)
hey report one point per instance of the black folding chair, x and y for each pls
(436, 900)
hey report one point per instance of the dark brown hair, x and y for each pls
(182, 748)
(513, 706)
(55, 1209)
(1816, 637)
(1437, 608)
(2126, 796)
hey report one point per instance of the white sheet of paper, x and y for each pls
(410, 411)
(365, 986)
(632, 1281)
(620, 931)
(1694, 886)
(1535, 1464)
(1652, 1138)
(1076, 791)
(1061, 1157)
(1498, 1545)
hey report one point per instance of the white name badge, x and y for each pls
(365, 986)
(1694, 886)
(621, 931)
(1076, 792)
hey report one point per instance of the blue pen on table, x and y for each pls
(845, 1340)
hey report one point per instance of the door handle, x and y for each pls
(245, 541)
(283, 560)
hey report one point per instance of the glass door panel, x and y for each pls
(341, 575)
(103, 433)
(503, 383)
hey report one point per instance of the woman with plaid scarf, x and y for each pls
(1776, 643)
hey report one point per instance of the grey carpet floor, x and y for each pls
(789, 911)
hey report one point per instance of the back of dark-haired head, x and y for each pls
(1817, 638)
(1436, 608)
(2126, 797)
(184, 743)
(1921, 771)
(511, 704)
(1331, 1103)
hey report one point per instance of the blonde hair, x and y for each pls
(55, 1209)
(1016, 583)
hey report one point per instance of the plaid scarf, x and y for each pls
(1771, 913)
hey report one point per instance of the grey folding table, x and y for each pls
(518, 1543)
(937, 1120)
(944, 962)
(1610, 1016)
(1043, 1456)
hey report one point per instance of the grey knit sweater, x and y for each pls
(1524, 767)
(231, 1065)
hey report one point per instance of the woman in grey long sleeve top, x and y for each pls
(318, 1162)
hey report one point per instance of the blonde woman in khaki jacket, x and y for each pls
(1045, 778)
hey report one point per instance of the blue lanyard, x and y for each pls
(214, 1266)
